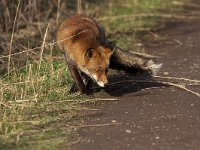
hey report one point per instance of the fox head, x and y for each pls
(96, 64)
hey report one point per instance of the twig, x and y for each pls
(179, 42)
(90, 99)
(58, 12)
(181, 87)
(153, 34)
(42, 47)
(184, 79)
(53, 43)
(32, 81)
(78, 7)
(21, 101)
(95, 125)
(28, 121)
(15, 83)
(11, 40)
(144, 55)
(149, 88)
(68, 100)
(1, 103)
(111, 18)
(85, 108)
(105, 99)
(99, 99)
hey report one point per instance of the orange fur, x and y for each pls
(84, 49)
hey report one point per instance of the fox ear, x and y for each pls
(107, 52)
(111, 45)
(90, 53)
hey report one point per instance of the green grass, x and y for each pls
(138, 18)
(35, 115)
(37, 111)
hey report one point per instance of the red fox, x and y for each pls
(85, 51)
(88, 53)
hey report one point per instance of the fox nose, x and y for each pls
(106, 84)
(102, 84)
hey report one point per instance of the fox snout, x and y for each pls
(102, 84)
(102, 81)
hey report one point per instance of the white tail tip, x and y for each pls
(154, 67)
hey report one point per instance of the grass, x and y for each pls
(36, 109)
(32, 110)
(138, 17)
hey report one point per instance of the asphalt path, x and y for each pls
(152, 116)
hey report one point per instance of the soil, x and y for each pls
(151, 116)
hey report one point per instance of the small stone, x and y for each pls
(166, 73)
(114, 121)
(139, 44)
(128, 131)
(92, 141)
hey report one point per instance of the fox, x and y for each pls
(86, 52)
(89, 54)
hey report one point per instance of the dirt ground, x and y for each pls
(144, 117)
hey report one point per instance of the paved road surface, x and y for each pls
(163, 118)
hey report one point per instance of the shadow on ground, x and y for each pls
(122, 84)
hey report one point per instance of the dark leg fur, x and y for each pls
(74, 87)
(88, 81)
(78, 81)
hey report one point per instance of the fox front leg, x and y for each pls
(77, 79)
(88, 82)
(74, 87)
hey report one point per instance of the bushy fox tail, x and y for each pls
(133, 63)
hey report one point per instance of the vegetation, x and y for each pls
(36, 109)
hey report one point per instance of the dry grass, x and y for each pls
(32, 76)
